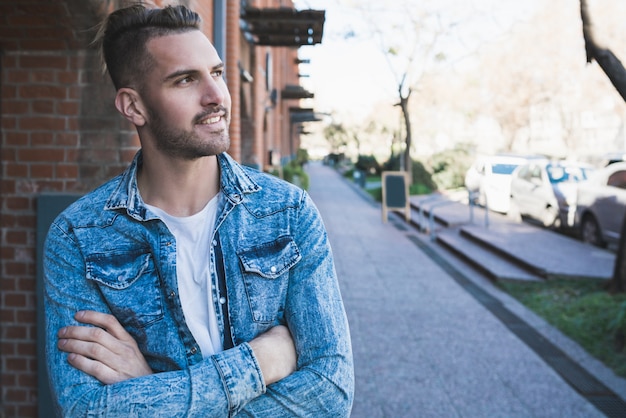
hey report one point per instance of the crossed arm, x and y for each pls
(107, 352)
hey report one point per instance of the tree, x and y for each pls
(616, 72)
(407, 37)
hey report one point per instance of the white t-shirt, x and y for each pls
(193, 268)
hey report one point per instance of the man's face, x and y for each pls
(187, 101)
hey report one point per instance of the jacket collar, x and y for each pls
(235, 183)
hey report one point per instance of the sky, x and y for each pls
(350, 75)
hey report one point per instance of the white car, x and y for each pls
(489, 180)
(601, 205)
(546, 191)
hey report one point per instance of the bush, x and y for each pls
(368, 164)
(422, 179)
(295, 174)
(449, 167)
(422, 182)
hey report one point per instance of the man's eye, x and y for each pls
(185, 80)
(217, 73)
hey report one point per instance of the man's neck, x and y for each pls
(179, 187)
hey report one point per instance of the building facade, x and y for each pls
(61, 134)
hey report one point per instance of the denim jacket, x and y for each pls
(107, 252)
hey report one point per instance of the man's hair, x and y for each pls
(123, 35)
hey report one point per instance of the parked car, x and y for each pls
(545, 191)
(601, 205)
(488, 180)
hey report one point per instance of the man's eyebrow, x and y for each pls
(190, 71)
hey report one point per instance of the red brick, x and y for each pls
(42, 76)
(66, 171)
(16, 107)
(41, 154)
(67, 139)
(8, 187)
(9, 284)
(42, 138)
(18, 76)
(9, 91)
(27, 285)
(67, 77)
(8, 379)
(26, 317)
(12, 394)
(8, 122)
(47, 62)
(18, 202)
(12, 332)
(43, 106)
(51, 123)
(27, 410)
(16, 138)
(41, 171)
(31, 20)
(13, 237)
(15, 269)
(8, 349)
(15, 170)
(43, 44)
(68, 108)
(42, 92)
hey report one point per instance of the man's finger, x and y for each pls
(105, 321)
(93, 368)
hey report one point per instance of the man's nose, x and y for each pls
(212, 92)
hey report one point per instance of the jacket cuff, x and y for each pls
(241, 375)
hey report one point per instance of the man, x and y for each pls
(190, 285)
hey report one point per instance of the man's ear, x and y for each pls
(129, 104)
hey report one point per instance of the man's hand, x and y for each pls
(106, 351)
(275, 353)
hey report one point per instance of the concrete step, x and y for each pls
(524, 248)
(548, 254)
(483, 258)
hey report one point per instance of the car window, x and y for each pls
(503, 168)
(617, 179)
(556, 173)
(559, 173)
(523, 172)
(535, 172)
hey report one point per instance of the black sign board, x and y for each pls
(396, 193)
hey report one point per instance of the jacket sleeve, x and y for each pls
(214, 387)
(323, 385)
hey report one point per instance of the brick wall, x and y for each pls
(62, 133)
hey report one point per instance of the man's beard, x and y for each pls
(185, 144)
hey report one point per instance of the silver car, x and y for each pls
(601, 205)
(545, 191)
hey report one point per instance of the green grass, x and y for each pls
(582, 310)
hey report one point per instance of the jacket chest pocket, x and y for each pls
(130, 285)
(265, 276)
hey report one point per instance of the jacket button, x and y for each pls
(273, 269)
(172, 294)
(193, 350)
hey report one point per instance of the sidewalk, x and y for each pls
(423, 345)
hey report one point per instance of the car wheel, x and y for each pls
(550, 217)
(590, 232)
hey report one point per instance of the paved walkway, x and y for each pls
(423, 346)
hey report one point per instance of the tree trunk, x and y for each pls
(404, 105)
(616, 72)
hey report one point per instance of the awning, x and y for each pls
(295, 92)
(303, 114)
(283, 26)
